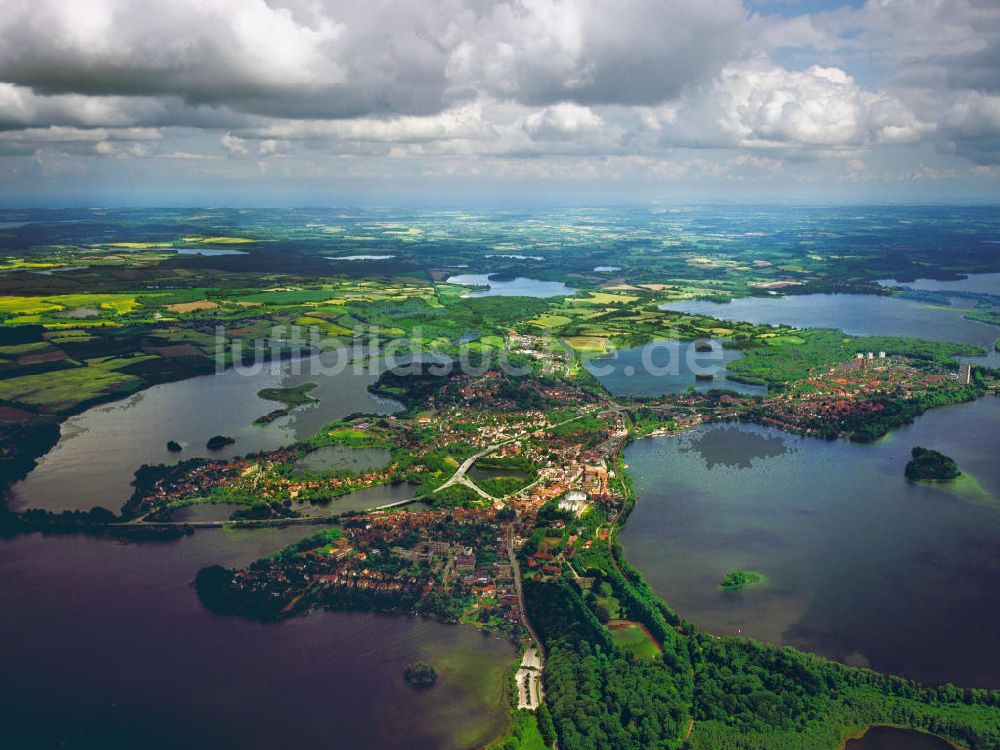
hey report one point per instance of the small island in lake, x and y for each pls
(291, 397)
(741, 579)
(219, 441)
(420, 674)
(173, 446)
(928, 464)
(271, 416)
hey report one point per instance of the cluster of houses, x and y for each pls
(460, 553)
(254, 475)
(820, 402)
(280, 486)
(186, 481)
(402, 555)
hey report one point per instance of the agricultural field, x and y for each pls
(690, 252)
(96, 306)
(63, 391)
(154, 314)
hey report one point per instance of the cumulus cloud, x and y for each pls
(67, 139)
(955, 43)
(461, 122)
(941, 60)
(22, 107)
(562, 122)
(63, 134)
(820, 107)
(120, 151)
(234, 145)
(971, 126)
(756, 161)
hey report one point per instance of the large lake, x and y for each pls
(666, 366)
(106, 645)
(855, 314)
(977, 283)
(517, 287)
(99, 450)
(863, 566)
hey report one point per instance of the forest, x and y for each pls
(735, 694)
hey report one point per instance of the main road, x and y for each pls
(459, 474)
(532, 669)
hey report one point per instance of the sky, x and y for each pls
(547, 102)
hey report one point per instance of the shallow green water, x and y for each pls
(332, 457)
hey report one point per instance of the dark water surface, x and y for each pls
(208, 251)
(863, 566)
(366, 499)
(106, 645)
(887, 738)
(206, 512)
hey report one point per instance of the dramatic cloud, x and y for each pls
(974, 114)
(666, 89)
(596, 52)
(939, 58)
(248, 55)
(346, 59)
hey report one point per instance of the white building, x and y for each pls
(575, 502)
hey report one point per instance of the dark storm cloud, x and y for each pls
(344, 60)
(351, 59)
(602, 52)
(978, 70)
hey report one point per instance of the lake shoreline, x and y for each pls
(859, 734)
(778, 607)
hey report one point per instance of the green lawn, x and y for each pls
(632, 637)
